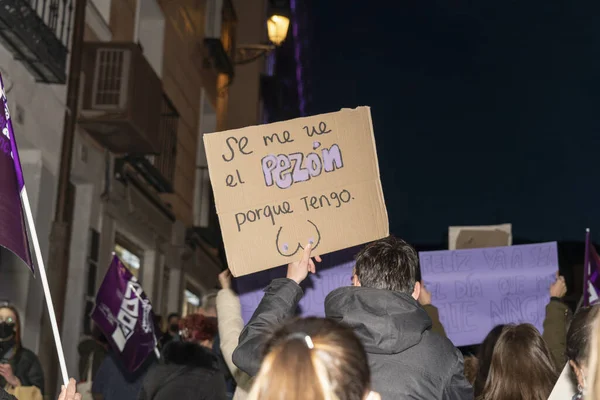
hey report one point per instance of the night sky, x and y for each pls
(484, 111)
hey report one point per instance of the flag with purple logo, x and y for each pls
(13, 233)
(124, 314)
(591, 273)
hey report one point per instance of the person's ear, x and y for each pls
(578, 373)
(355, 281)
(416, 291)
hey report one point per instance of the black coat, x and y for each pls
(407, 360)
(26, 366)
(6, 396)
(187, 371)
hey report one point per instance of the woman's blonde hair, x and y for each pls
(313, 358)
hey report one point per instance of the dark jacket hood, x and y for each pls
(386, 322)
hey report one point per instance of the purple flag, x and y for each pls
(591, 273)
(335, 271)
(13, 233)
(477, 289)
(124, 314)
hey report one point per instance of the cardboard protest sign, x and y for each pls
(335, 271)
(477, 289)
(280, 186)
(476, 237)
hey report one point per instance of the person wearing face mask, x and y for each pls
(18, 366)
(172, 330)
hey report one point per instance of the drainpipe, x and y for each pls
(60, 235)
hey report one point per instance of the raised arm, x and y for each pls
(278, 304)
(231, 324)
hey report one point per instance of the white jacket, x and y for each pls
(229, 313)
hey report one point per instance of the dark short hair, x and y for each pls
(389, 264)
(579, 334)
(173, 315)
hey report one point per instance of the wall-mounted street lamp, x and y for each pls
(277, 28)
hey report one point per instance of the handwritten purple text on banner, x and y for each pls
(477, 289)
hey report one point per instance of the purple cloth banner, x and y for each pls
(477, 289)
(335, 271)
(124, 314)
(13, 232)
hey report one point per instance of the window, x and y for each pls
(191, 303)
(103, 7)
(150, 33)
(129, 254)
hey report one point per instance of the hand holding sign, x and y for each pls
(559, 287)
(298, 270)
(225, 279)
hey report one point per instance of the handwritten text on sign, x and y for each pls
(280, 186)
(478, 289)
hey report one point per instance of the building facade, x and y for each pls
(151, 71)
(155, 76)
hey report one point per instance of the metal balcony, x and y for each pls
(37, 33)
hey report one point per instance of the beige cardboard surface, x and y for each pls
(279, 186)
(474, 237)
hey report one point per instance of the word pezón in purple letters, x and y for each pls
(285, 170)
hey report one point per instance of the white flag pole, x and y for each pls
(44, 278)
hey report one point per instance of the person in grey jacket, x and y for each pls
(406, 358)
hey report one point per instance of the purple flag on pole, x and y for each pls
(124, 314)
(591, 274)
(13, 233)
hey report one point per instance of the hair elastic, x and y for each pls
(302, 336)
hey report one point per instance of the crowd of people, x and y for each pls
(381, 339)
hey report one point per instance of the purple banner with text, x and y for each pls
(335, 271)
(13, 233)
(477, 289)
(124, 315)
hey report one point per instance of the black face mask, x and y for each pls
(174, 328)
(6, 330)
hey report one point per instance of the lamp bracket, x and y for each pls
(246, 54)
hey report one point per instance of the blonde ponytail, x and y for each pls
(315, 359)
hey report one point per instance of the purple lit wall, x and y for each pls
(297, 56)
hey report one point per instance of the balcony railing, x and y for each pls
(37, 33)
